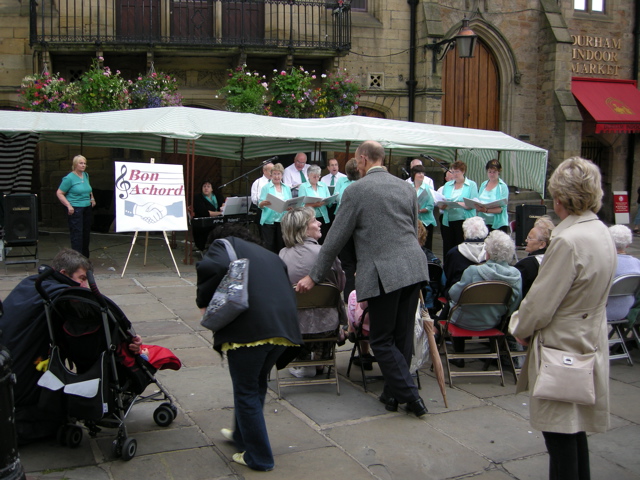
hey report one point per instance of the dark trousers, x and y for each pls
(249, 368)
(455, 236)
(429, 242)
(391, 324)
(272, 237)
(568, 455)
(348, 259)
(324, 229)
(80, 229)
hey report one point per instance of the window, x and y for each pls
(596, 6)
(359, 5)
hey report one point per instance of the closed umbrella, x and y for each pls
(433, 350)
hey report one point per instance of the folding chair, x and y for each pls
(323, 295)
(623, 286)
(478, 294)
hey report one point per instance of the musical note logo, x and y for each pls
(122, 184)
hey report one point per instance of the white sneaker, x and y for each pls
(239, 458)
(227, 433)
(303, 372)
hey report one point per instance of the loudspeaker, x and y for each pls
(526, 216)
(20, 219)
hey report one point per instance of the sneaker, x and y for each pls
(303, 372)
(239, 458)
(227, 433)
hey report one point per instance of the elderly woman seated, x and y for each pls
(537, 243)
(618, 307)
(500, 250)
(301, 232)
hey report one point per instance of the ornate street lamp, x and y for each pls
(466, 40)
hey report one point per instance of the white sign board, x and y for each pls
(149, 197)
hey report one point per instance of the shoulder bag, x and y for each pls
(231, 298)
(565, 376)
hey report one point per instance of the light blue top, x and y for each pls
(271, 216)
(428, 202)
(76, 189)
(323, 191)
(343, 182)
(469, 190)
(494, 220)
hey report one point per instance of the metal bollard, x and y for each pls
(10, 466)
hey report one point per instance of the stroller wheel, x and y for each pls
(173, 408)
(129, 448)
(73, 436)
(163, 415)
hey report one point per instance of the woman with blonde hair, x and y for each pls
(270, 219)
(456, 190)
(76, 194)
(565, 310)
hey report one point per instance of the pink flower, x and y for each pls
(283, 72)
(279, 102)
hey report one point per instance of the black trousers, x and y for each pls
(568, 455)
(391, 324)
(349, 261)
(454, 236)
(80, 229)
(272, 237)
(429, 242)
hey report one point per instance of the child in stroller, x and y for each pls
(92, 375)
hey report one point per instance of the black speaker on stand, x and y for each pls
(526, 216)
(20, 227)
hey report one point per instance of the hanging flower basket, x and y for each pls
(100, 90)
(245, 92)
(46, 93)
(155, 90)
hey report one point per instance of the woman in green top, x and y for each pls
(76, 195)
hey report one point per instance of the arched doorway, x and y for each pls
(471, 89)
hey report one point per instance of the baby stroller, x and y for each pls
(92, 377)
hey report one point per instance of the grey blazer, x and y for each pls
(381, 212)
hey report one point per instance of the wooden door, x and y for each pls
(243, 22)
(138, 19)
(471, 90)
(192, 19)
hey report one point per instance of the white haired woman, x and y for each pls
(76, 194)
(565, 310)
(618, 307)
(313, 187)
(301, 232)
(537, 243)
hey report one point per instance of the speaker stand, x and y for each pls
(7, 248)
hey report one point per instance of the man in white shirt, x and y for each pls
(427, 180)
(296, 173)
(256, 188)
(331, 179)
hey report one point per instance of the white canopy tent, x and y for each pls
(239, 135)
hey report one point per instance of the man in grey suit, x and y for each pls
(380, 211)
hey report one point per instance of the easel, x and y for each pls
(146, 245)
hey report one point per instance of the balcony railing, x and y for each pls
(314, 24)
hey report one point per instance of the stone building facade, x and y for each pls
(519, 81)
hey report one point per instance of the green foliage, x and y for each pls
(338, 96)
(155, 90)
(46, 93)
(100, 90)
(245, 91)
(292, 94)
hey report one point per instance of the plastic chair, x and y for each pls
(323, 295)
(474, 295)
(623, 286)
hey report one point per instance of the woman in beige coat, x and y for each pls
(565, 308)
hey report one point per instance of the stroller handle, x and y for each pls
(94, 289)
(45, 272)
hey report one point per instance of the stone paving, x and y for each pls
(315, 434)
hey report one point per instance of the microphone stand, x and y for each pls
(430, 158)
(245, 176)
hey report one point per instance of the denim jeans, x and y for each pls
(80, 229)
(249, 368)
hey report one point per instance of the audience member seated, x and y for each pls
(470, 252)
(618, 307)
(434, 288)
(357, 314)
(301, 232)
(500, 249)
(24, 331)
(537, 243)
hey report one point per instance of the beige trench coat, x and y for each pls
(566, 307)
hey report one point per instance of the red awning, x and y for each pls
(613, 104)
